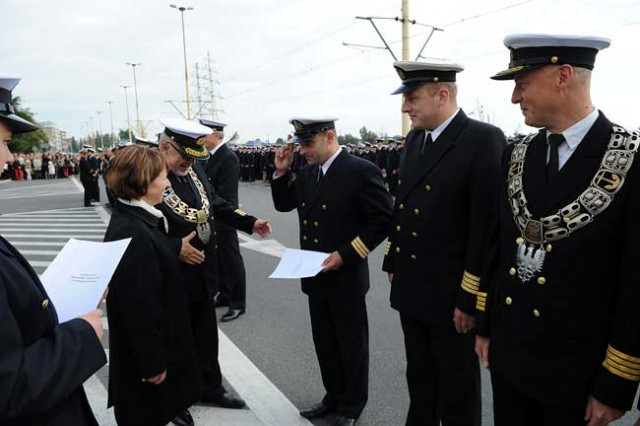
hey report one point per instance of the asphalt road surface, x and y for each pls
(274, 335)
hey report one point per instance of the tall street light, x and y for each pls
(135, 88)
(126, 98)
(184, 49)
(111, 117)
(100, 129)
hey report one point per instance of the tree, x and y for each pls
(348, 138)
(279, 141)
(368, 135)
(123, 135)
(75, 145)
(26, 142)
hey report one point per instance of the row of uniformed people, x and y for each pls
(483, 252)
(477, 237)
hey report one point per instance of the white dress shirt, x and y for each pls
(573, 136)
(438, 130)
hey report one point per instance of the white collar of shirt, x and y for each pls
(148, 208)
(438, 130)
(213, 151)
(574, 134)
(327, 164)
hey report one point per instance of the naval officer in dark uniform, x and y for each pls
(436, 241)
(190, 206)
(559, 324)
(89, 176)
(343, 209)
(223, 172)
(43, 363)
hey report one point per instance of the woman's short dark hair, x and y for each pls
(132, 171)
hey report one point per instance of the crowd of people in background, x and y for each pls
(256, 163)
(41, 166)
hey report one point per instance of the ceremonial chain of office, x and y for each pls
(182, 209)
(608, 180)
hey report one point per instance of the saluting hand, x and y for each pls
(188, 253)
(599, 414)
(334, 261)
(284, 156)
(156, 380)
(262, 228)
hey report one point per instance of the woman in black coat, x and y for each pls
(153, 377)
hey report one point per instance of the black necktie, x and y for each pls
(320, 175)
(554, 163)
(426, 144)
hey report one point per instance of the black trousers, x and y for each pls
(205, 336)
(341, 336)
(512, 408)
(231, 273)
(443, 375)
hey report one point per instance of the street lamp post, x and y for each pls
(111, 117)
(126, 98)
(100, 129)
(184, 49)
(135, 88)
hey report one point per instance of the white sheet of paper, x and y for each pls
(78, 276)
(299, 264)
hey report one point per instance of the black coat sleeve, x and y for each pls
(283, 192)
(375, 204)
(34, 378)
(222, 209)
(485, 179)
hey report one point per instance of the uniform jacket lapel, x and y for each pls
(579, 169)
(417, 167)
(315, 191)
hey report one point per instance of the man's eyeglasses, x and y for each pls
(183, 155)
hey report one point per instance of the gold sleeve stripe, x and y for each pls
(360, 248)
(621, 361)
(240, 212)
(615, 370)
(470, 283)
(387, 248)
(611, 350)
(481, 301)
(469, 288)
(612, 362)
(471, 277)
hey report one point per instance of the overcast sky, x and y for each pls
(275, 59)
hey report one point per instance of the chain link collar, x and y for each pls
(182, 209)
(607, 182)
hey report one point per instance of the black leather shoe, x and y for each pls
(224, 400)
(316, 412)
(231, 315)
(183, 419)
(343, 421)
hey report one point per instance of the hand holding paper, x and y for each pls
(299, 264)
(79, 275)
